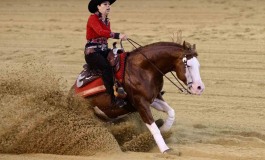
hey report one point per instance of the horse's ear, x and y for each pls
(184, 45)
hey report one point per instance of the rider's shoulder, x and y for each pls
(93, 17)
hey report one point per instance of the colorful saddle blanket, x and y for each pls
(89, 82)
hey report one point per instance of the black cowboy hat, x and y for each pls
(92, 6)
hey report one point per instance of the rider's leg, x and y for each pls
(96, 60)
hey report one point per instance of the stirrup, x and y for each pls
(120, 92)
(119, 103)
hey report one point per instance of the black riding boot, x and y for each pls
(97, 60)
(107, 77)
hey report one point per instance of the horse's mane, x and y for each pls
(173, 44)
(166, 44)
(158, 44)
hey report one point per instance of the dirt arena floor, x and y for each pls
(41, 54)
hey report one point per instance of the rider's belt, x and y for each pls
(100, 46)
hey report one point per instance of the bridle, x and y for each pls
(184, 59)
(187, 67)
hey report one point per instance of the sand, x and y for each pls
(41, 54)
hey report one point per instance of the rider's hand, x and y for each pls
(123, 37)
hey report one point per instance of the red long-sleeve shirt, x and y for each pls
(96, 28)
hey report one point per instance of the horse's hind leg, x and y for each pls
(163, 106)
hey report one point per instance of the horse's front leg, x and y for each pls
(161, 105)
(145, 113)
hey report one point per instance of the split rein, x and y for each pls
(183, 89)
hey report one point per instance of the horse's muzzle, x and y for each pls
(197, 88)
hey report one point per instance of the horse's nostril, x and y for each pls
(199, 87)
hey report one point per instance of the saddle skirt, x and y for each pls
(89, 82)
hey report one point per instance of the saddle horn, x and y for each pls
(114, 45)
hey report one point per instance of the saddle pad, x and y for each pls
(97, 85)
(92, 88)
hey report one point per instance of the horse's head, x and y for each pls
(188, 69)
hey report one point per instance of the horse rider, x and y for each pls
(96, 50)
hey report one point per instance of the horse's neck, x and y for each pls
(161, 57)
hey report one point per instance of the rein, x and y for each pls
(183, 89)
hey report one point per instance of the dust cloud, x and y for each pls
(38, 116)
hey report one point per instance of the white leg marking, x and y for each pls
(158, 137)
(163, 106)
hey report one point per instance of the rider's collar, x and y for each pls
(100, 18)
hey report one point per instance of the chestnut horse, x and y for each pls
(143, 82)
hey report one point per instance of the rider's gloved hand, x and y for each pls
(123, 37)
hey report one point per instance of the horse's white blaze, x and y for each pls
(193, 75)
(163, 106)
(158, 137)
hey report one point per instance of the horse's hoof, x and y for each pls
(159, 122)
(172, 152)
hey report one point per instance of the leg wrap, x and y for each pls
(158, 137)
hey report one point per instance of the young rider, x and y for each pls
(96, 50)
